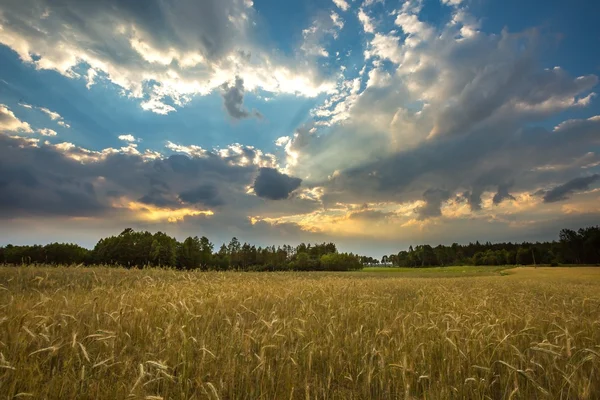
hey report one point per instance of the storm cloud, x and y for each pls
(273, 185)
(54, 180)
(503, 194)
(433, 202)
(564, 191)
(203, 194)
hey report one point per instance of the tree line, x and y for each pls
(140, 249)
(573, 247)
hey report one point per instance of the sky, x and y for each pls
(375, 124)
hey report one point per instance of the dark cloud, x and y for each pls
(483, 96)
(520, 81)
(503, 194)
(46, 181)
(29, 188)
(565, 190)
(159, 194)
(273, 185)
(474, 199)
(474, 104)
(207, 195)
(158, 198)
(433, 203)
(469, 164)
(233, 99)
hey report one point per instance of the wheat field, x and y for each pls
(102, 333)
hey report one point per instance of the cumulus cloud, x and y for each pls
(449, 107)
(473, 164)
(128, 138)
(163, 54)
(46, 132)
(208, 193)
(564, 191)
(38, 181)
(10, 123)
(366, 21)
(65, 180)
(342, 4)
(273, 185)
(282, 141)
(452, 2)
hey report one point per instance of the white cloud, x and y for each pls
(10, 123)
(282, 141)
(337, 20)
(163, 58)
(452, 2)
(321, 28)
(451, 111)
(386, 47)
(46, 132)
(53, 115)
(192, 150)
(366, 21)
(128, 138)
(368, 3)
(342, 4)
(417, 30)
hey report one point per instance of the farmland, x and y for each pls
(106, 333)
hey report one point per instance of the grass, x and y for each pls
(100, 333)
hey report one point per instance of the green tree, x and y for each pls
(233, 250)
(190, 253)
(206, 249)
(163, 251)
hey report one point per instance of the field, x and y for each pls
(439, 272)
(100, 333)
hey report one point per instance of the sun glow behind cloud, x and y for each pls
(148, 213)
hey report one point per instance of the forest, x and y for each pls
(573, 247)
(144, 249)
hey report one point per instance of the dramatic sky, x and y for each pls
(373, 123)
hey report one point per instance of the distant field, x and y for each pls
(100, 333)
(440, 271)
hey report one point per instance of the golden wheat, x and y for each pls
(102, 333)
